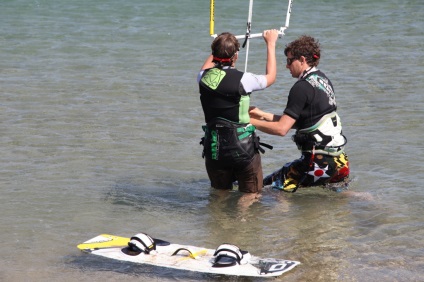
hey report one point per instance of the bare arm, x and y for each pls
(270, 37)
(208, 63)
(270, 123)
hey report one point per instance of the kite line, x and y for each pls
(248, 34)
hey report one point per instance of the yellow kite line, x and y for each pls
(212, 19)
(248, 35)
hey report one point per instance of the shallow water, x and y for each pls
(100, 124)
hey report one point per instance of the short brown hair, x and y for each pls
(225, 46)
(305, 46)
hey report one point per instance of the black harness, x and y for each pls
(229, 141)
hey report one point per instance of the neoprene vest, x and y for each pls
(312, 97)
(222, 95)
(229, 136)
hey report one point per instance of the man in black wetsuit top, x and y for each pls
(311, 110)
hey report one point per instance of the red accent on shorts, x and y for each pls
(341, 174)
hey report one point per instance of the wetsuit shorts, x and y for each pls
(222, 174)
(311, 170)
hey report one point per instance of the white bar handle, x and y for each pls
(257, 35)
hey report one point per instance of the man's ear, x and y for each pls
(235, 57)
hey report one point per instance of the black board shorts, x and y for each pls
(249, 175)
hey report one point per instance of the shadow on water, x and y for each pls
(188, 198)
(162, 196)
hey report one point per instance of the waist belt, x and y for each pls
(305, 144)
(226, 140)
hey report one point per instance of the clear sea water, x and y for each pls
(101, 122)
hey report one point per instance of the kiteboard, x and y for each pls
(227, 259)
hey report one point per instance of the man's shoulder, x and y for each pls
(301, 85)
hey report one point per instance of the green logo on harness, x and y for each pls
(213, 78)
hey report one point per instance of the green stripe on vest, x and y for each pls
(214, 145)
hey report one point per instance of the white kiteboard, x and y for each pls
(227, 259)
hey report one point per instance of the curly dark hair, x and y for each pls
(225, 46)
(305, 46)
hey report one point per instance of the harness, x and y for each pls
(325, 137)
(229, 141)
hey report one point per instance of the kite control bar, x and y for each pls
(256, 35)
(249, 35)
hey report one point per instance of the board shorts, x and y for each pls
(222, 174)
(312, 170)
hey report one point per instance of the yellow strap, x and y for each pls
(191, 254)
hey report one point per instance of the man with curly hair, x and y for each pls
(311, 110)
